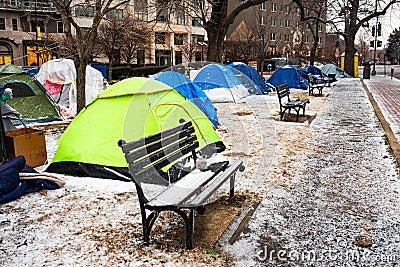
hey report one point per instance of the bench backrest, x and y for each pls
(282, 91)
(146, 156)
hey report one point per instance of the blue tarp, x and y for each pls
(190, 90)
(11, 187)
(294, 77)
(251, 73)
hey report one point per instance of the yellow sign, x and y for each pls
(33, 52)
(38, 34)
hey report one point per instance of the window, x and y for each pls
(274, 7)
(298, 11)
(84, 11)
(178, 39)
(320, 28)
(320, 40)
(262, 20)
(273, 22)
(307, 38)
(60, 27)
(160, 37)
(287, 23)
(197, 22)
(180, 17)
(140, 9)
(2, 24)
(114, 14)
(140, 57)
(272, 36)
(263, 6)
(288, 10)
(162, 15)
(14, 23)
(13, 2)
(197, 38)
(35, 24)
(287, 38)
(297, 24)
(162, 10)
(178, 57)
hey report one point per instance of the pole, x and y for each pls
(376, 39)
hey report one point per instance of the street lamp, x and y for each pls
(202, 44)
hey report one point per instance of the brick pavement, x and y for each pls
(386, 92)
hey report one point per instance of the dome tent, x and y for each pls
(292, 76)
(220, 83)
(29, 96)
(190, 90)
(130, 109)
(252, 74)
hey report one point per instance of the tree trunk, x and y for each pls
(349, 55)
(80, 84)
(216, 30)
(313, 51)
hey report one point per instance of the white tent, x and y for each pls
(58, 76)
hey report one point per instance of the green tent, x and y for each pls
(129, 110)
(29, 96)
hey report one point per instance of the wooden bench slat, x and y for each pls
(127, 147)
(147, 149)
(146, 163)
(182, 190)
(216, 183)
(152, 155)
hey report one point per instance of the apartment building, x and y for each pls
(27, 25)
(275, 28)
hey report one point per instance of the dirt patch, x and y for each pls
(209, 227)
(243, 113)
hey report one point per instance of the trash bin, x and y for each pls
(367, 70)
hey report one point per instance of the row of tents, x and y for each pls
(137, 107)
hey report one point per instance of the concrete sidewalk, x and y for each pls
(341, 205)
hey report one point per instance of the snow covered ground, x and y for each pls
(307, 174)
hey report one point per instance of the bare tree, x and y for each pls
(80, 41)
(119, 39)
(347, 17)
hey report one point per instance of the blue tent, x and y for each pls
(252, 74)
(220, 83)
(190, 90)
(294, 77)
(313, 70)
(216, 76)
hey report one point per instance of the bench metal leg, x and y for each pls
(232, 186)
(189, 220)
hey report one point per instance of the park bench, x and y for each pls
(182, 195)
(282, 92)
(316, 83)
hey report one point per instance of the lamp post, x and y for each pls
(375, 33)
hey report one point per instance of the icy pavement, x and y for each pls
(340, 206)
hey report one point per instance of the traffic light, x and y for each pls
(379, 29)
(379, 44)
(371, 44)
(373, 31)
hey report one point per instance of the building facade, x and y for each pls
(274, 29)
(177, 35)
